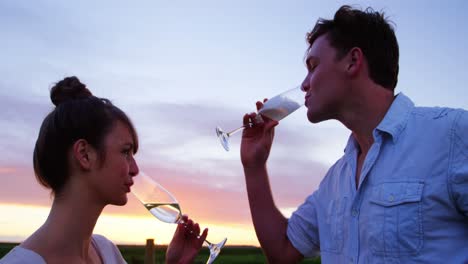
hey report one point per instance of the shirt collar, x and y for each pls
(351, 146)
(396, 118)
(393, 123)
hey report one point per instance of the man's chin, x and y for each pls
(314, 119)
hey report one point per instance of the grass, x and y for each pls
(229, 254)
(5, 248)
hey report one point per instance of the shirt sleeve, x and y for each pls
(303, 228)
(20, 255)
(458, 170)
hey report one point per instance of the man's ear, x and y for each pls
(84, 154)
(355, 61)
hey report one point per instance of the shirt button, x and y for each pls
(354, 212)
(391, 198)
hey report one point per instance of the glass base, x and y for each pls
(215, 249)
(223, 138)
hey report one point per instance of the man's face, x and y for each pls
(325, 82)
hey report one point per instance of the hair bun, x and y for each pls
(68, 89)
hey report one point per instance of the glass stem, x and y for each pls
(258, 117)
(235, 131)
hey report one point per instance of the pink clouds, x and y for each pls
(211, 197)
(7, 170)
(209, 187)
(19, 186)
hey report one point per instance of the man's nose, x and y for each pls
(305, 85)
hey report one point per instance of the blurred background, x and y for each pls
(181, 68)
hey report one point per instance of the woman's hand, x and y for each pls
(186, 242)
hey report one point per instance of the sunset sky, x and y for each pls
(181, 68)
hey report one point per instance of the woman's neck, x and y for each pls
(68, 229)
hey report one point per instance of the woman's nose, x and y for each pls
(134, 168)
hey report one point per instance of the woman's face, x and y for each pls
(118, 167)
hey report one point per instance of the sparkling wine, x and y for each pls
(276, 108)
(279, 107)
(166, 212)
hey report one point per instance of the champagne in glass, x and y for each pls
(166, 212)
(164, 206)
(275, 108)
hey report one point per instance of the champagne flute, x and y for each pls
(275, 108)
(164, 206)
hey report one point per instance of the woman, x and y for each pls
(84, 154)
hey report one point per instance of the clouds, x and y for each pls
(181, 69)
(20, 120)
(177, 80)
(213, 196)
(19, 186)
(179, 149)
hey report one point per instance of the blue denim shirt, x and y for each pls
(412, 202)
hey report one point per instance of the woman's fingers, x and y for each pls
(192, 229)
(204, 234)
(184, 218)
(196, 229)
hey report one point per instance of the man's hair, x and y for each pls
(368, 30)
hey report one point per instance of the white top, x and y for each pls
(108, 252)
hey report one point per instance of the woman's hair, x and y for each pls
(77, 115)
(368, 30)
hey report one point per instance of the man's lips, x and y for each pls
(306, 99)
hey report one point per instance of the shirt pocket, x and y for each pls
(396, 222)
(332, 233)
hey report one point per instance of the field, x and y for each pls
(229, 254)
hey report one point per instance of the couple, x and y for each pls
(399, 194)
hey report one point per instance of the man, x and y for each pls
(400, 192)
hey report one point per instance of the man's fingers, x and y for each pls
(270, 125)
(260, 104)
(246, 120)
(249, 120)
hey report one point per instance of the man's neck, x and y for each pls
(365, 112)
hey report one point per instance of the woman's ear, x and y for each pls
(84, 154)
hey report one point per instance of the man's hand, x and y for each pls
(257, 139)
